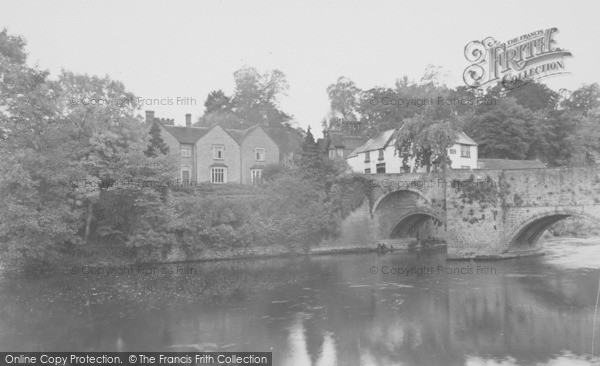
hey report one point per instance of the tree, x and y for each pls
(225, 120)
(535, 96)
(256, 96)
(37, 212)
(344, 97)
(560, 132)
(425, 141)
(66, 141)
(583, 99)
(506, 130)
(380, 111)
(571, 138)
(218, 103)
(311, 163)
(157, 144)
(12, 48)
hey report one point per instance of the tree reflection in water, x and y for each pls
(323, 310)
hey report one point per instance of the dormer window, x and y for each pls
(218, 151)
(380, 154)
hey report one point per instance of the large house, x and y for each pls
(340, 142)
(216, 154)
(378, 155)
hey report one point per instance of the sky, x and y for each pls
(185, 49)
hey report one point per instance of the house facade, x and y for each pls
(216, 154)
(378, 155)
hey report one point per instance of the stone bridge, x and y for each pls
(481, 213)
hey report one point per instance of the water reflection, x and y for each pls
(326, 310)
(299, 354)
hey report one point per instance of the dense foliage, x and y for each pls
(528, 122)
(78, 175)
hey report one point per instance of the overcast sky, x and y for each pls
(170, 49)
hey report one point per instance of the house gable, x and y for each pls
(216, 138)
(256, 137)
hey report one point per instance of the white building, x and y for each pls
(378, 155)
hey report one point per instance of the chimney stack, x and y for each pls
(188, 119)
(149, 117)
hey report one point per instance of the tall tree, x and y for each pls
(256, 96)
(425, 141)
(506, 130)
(344, 98)
(60, 145)
(583, 99)
(156, 144)
(218, 103)
(535, 96)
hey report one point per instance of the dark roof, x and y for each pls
(237, 135)
(378, 142)
(189, 135)
(506, 164)
(186, 135)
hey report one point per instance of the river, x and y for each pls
(401, 308)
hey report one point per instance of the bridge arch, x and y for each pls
(406, 191)
(408, 225)
(407, 214)
(527, 232)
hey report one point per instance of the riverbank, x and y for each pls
(112, 254)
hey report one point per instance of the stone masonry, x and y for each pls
(481, 213)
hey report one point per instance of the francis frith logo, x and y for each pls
(513, 63)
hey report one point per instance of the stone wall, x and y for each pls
(486, 213)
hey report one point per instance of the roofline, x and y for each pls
(384, 145)
(224, 129)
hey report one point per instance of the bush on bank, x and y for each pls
(285, 211)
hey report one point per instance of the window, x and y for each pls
(185, 174)
(465, 151)
(259, 152)
(186, 151)
(368, 171)
(380, 168)
(339, 152)
(331, 154)
(380, 154)
(256, 175)
(218, 175)
(452, 151)
(218, 151)
(367, 156)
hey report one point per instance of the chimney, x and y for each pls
(188, 119)
(149, 117)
